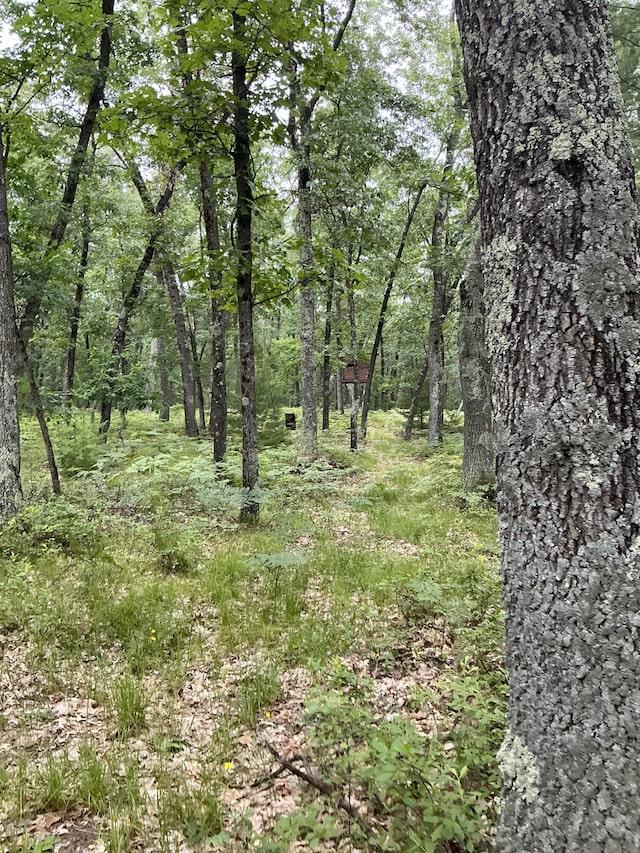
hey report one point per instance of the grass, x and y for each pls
(149, 643)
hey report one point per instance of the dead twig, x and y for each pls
(319, 784)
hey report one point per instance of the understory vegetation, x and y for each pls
(327, 678)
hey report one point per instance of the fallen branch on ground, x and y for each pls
(316, 782)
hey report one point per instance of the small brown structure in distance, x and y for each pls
(350, 371)
(290, 420)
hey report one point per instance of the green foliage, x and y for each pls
(257, 691)
(57, 523)
(194, 810)
(75, 445)
(181, 604)
(429, 792)
(176, 554)
(128, 703)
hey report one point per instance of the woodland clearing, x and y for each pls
(328, 678)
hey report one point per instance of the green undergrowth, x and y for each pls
(140, 597)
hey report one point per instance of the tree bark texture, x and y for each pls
(560, 256)
(478, 459)
(10, 486)
(244, 247)
(219, 319)
(395, 266)
(87, 128)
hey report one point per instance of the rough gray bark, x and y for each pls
(219, 319)
(244, 247)
(10, 486)
(560, 258)
(478, 460)
(391, 277)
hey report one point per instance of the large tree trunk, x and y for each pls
(10, 486)
(219, 319)
(244, 210)
(560, 259)
(168, 276)
(87, 128)
(478, 460)
(395, 266)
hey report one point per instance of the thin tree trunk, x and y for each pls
(130, 299)
(196, 361)
(10, 485)
(391, 277)
(478, 460)
(383, 390)
(415, 399)
(40, 416)
(326, 358)
(219, 319)
(168, 276)
(339, 356)
(74, 318)
(299, 127)
(355, 388)
(244, 246)
(441, 300)
(87, 128)
(158, 362)
(560, 260)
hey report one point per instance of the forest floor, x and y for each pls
(329, 678)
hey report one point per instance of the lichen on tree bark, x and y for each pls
(558, 212)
